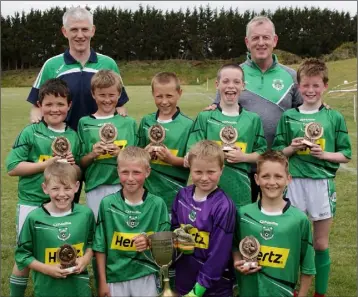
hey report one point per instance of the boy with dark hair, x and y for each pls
(31, 154)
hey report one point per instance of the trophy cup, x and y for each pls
(156, 134)
(249, 248)
(67, 255)
(228, 136)
(162, 250)
(61, 147)
(313, 132)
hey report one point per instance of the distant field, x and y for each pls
(343, 247)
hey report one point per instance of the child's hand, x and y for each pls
(239, 266)
(70, 159)
(122, 111)
(235, 156)
(103, 290)
(316, 151)
(81, 264)
(164, 155)
(55, 271)
(297, 144)
(186, 160)
(141, 242)
(113, 150)
(98, 149)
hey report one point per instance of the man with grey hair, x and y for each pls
(76, 66)
(270, 87)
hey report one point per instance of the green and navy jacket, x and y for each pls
(268, 93)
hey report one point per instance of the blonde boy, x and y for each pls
(313, 167)
(125, 219)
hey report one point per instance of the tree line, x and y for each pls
(148, 33)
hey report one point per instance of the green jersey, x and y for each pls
(286, 248)
(335, 139)
(40, 238)
(33, 144)
(118, 223)
(234, 180)
(166, 180)
(103, 170)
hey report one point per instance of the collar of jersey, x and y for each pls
(173, 117)
(319, 109)
(240, 109)
(288, 204)
(93, 117)
(145, 194)
(71, 60)
(253, 64)
(49, 200)
(210, 194)
(43, 121)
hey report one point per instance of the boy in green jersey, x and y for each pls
(123, 269)
(284, 234)
(250, 142)
(31, 154)
(57, 222)
(99, 159)
(314, 166)
(167, 175)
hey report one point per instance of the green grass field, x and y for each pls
(343, 241)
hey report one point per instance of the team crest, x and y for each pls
(132, 221)
(192, 216)
(277, 84)
(266, 232)
(63, 234)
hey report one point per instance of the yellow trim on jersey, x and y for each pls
(160, 162)
(120, 143)
(201, 238)
(124, 241)
(273, 256)
(51, 253)
(321, 142)
(241, 145)
(43, 158)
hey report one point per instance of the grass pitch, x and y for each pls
(343, 240)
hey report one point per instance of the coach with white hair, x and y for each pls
(270, 87)
(76, 66)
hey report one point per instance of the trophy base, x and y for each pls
(308, 143)
(227, 149)
(62, 161)
(250, 265)
(70, 269)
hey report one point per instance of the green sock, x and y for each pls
(18, 285)
(323, 264)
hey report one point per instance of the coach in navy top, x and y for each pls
(76, 66)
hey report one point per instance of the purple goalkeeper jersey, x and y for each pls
(214, 223)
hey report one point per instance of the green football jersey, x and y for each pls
(234, 180)
(40, 238)
(33, 144)
(103, 170)
(166, 180)
(118, 223)
(286, 249)
(335, 139)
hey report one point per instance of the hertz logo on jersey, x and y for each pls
(120, 143)
(124, 241)
(273, 256)
(51, 253)
(201, 238)
(160, 162)
(321, 142)
(241, 145)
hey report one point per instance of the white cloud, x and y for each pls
(10, 7)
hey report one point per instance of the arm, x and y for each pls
(29, 168)
(305, 284)
(103, 289)
(35, 114)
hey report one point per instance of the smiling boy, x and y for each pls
(31, 154)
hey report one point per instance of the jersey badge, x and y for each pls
(277, 84)
(192, 215)
(132, 221)
(266, 232)
(63, 234)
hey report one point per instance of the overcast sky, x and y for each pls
(10, 7)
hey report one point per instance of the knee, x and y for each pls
(21, 273)
(320, 244)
